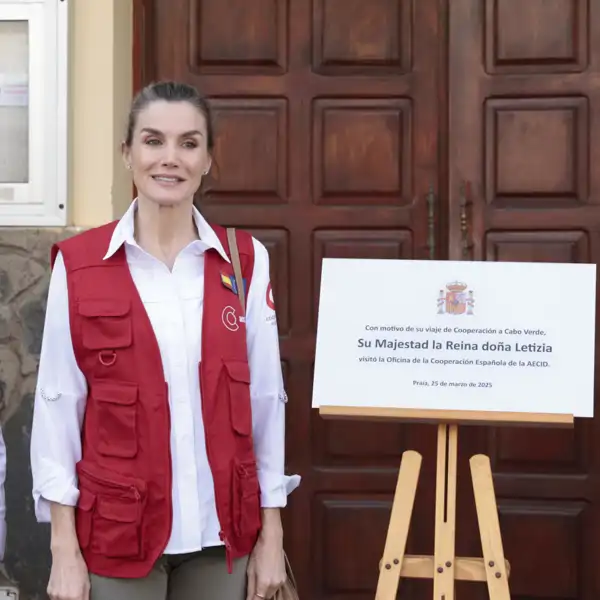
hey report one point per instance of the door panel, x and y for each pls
(524, 139)
(327, 116)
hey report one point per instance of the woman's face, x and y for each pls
(168, 154)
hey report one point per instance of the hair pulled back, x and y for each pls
(169, 91)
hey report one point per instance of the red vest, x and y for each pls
(124, 513)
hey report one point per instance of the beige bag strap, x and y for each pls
(290, 573)
(237, 268)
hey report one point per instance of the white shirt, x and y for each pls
(174, 303)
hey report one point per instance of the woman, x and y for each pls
(159, 411)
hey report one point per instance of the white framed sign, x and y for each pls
(463, 336)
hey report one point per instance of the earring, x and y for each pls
(129, 167)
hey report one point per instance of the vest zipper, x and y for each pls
(169, 467)
(222, 535)
(112, 484)
(228, 558)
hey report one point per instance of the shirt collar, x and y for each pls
(124, 232)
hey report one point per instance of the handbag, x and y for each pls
(289, 589)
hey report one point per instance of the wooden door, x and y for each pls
(524, 137)
(331, 118)
(327, 117)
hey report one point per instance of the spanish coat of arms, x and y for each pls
(456, 299)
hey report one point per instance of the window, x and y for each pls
(33, 112)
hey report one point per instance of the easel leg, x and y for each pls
(489, 528)
(444, 567)
(395, 543)
(445, 513)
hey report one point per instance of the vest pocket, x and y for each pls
(105, 325)
(109, 515)
(117, 527)
(116, 408)
(246, 498)
(239, 396)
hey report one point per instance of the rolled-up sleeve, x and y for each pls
(267, 390)
(60, 398)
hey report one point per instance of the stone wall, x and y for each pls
(24, 276)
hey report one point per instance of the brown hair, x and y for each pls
(170, 91)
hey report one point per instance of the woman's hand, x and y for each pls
(266, 566)
(69, 578)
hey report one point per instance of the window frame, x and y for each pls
(43, 200)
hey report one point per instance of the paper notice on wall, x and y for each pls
(14, 128)
(14, 89)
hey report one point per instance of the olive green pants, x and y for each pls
(197, 576)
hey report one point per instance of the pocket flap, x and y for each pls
(115, 392)
(238, 370)
(103, 308)
(113, 509)
(86, 500)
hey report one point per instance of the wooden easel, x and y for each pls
(444, 567)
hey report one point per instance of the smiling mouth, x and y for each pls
(167, 179)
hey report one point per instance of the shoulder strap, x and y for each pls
(237, 269)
